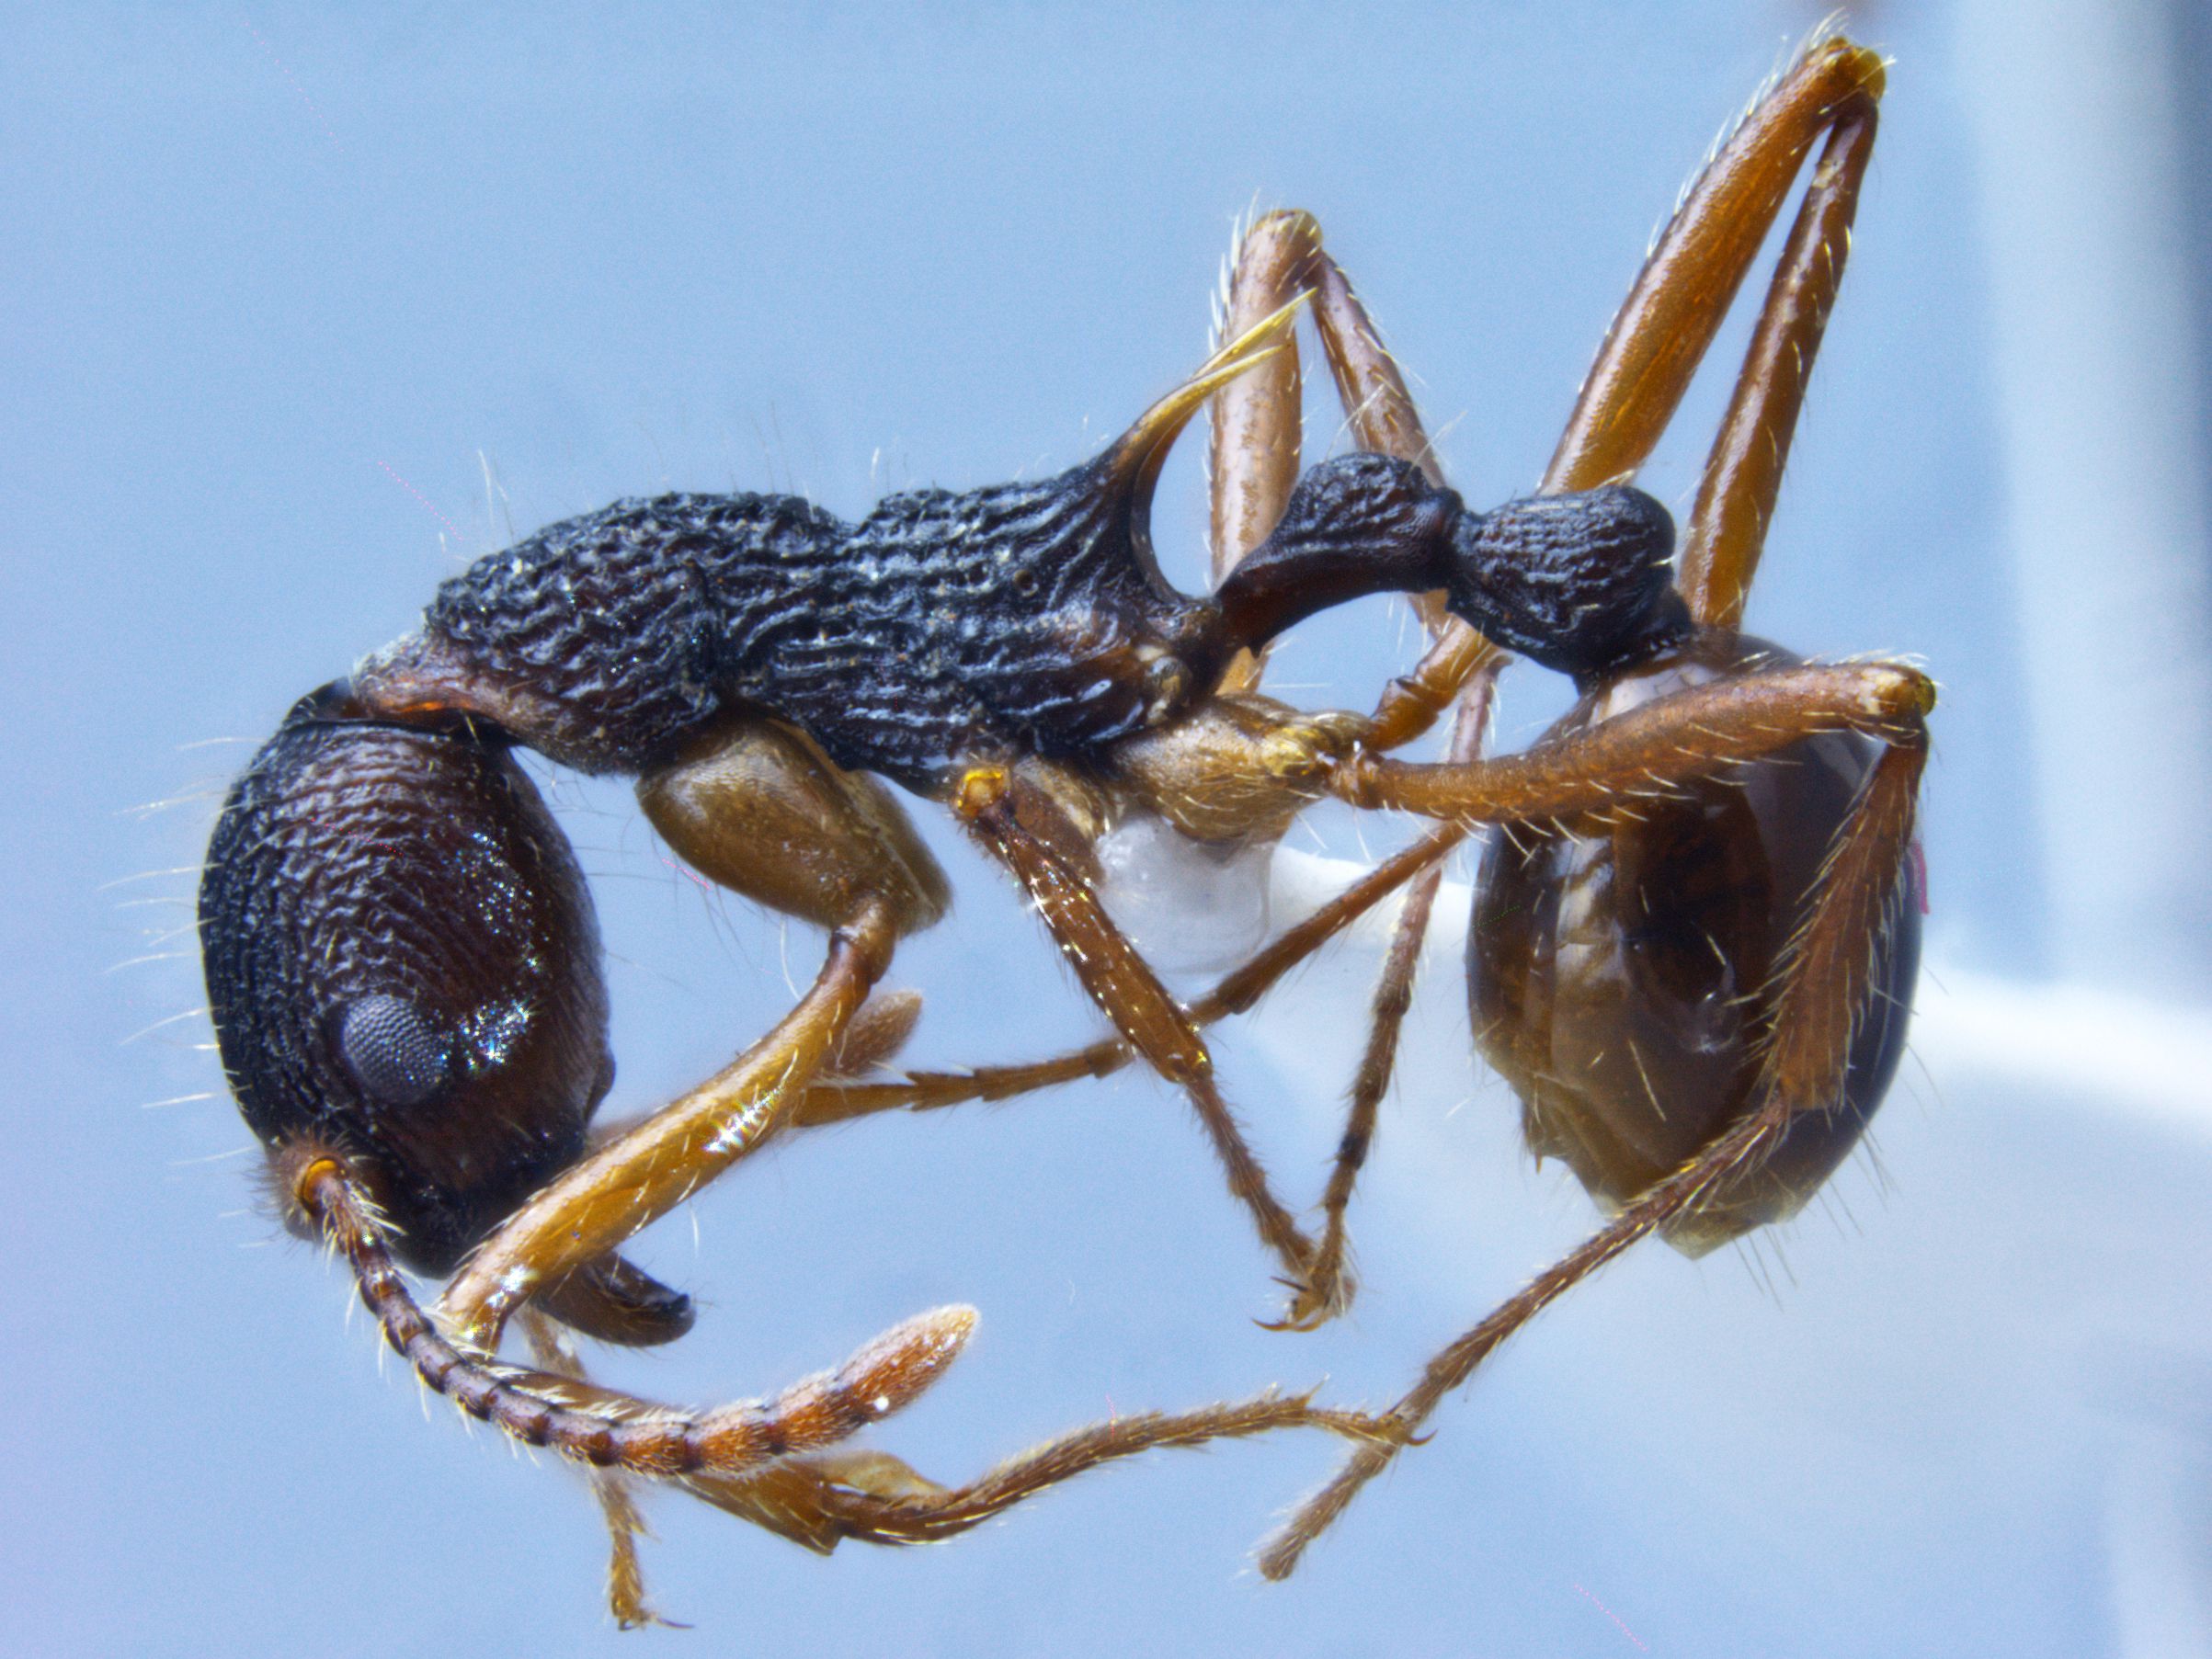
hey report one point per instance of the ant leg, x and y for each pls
(1253, 460)
(838, 1101)
(618, 1503)
(1689, 734)
(1664, 328)
(758, 808)
(1253, 457)
(1126, 989)
(1743, 474)
(1823, 979)
(823, 1500)
(625, 1185)
(1253, 464)
(1252, 454)
(1327, 1290)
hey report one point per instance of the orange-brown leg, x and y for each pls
(1742, 477)
(1328, 1287)
(839, 1101)
(1663, 329)
(1820, 988)
(633, 1181)
(1253, 457)
(1642, 755)
(551, 1351)
(758, 809)
(1253, 460)
(1823, 983)
(1253, 464)
(1124, 988)
(871, 1497)
(822, 1499)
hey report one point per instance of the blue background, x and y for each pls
(307, 307)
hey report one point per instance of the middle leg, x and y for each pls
(1253, 465)
(1119, 981)
(1254, 458)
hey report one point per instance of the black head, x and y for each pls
(1582, 583)
(403, 965)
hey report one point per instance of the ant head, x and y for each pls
(403, 963)
(1582, 583)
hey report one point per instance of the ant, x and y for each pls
(402, 959)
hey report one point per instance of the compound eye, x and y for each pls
(397, 1054)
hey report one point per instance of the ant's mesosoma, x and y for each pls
(402, 960)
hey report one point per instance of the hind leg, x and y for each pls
(1254, 463)
(1657, 342)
